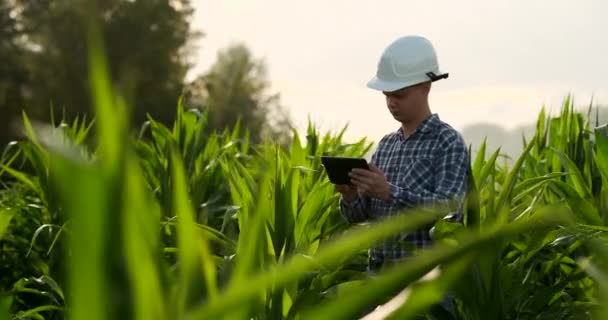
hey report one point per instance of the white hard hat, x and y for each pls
(407, 61)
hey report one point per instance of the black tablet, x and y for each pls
(337, 168)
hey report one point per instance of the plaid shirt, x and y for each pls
(428, 167)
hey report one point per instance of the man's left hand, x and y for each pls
(371, 182)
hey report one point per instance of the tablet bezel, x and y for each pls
(337, 168)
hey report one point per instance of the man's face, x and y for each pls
(406, 103)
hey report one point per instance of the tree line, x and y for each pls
(149, 47)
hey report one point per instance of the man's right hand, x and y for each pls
(349, 192)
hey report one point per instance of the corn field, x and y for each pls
(176, 223)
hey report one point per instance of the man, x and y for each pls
(424, 162)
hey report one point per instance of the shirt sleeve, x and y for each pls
(355, 211)
(452, 169)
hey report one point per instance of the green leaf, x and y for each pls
(601, 153)
(186, 236)
(84, 194)
(312, 207)
(46, 280)
(541, 133)
(479, 161)
(21, 177)
(5, 305)
(582, 208)
(251, 246)
(37, 233)
(241, 292)
(396, 278)
(6, 214)
(488, 167)
(505, 194)
(596, 268)
(35, 312)
(574, 175)
(141, 216)
(426, 294)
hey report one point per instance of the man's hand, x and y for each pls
(371, 182)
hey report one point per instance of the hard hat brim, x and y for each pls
(390, 86)
(387, 86)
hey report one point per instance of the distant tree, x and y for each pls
(147, 45)
(237, 88)
(43, 61)
(13, 76)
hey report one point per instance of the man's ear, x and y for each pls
(426, 87)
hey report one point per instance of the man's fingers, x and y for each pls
(373, 168)
(363, 188)
(361, 172)
(361, 180)
(358, 183)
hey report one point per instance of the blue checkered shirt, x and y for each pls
(429, 167)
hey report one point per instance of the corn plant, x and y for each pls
(538, 275)
(182, 223)
(33, 264)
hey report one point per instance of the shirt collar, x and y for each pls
(426, 126)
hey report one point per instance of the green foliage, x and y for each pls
(236, 90)
(179, 222)
(213, 225)
(44, 54)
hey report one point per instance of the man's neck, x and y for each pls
(410, 126)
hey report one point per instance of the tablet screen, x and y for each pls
(337, 168)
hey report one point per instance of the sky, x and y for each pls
(506, 59)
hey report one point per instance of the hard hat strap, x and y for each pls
(435, 77)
